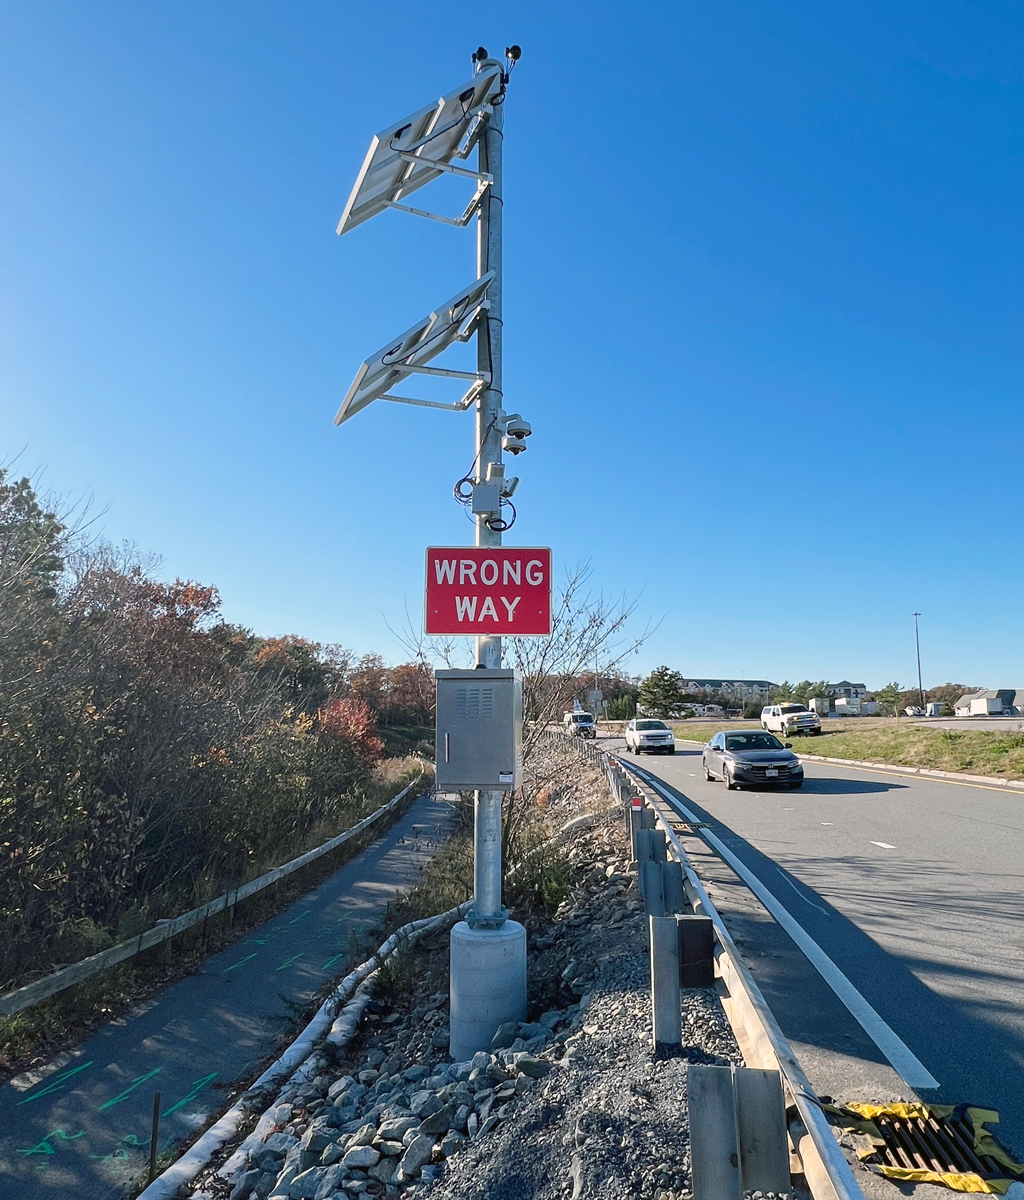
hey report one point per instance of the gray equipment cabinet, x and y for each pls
(479, 730)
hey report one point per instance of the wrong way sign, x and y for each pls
(499, 590)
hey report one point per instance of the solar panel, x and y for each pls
(408, 354)
(431, 136)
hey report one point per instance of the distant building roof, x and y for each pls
(1011, 696)
(847, 684)
(745, 682)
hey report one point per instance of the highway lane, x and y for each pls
(913, 888)
(81, 1127)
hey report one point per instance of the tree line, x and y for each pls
(152, 754)
(663, 693)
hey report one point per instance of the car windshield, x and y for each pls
(753, 741)
(793, 708)
(583, 718)
(651, 725)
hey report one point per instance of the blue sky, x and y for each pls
(762, 308)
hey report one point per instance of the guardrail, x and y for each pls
(762, 1043)
(32, 993)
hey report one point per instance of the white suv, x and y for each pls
(790, 718)
(654, 737)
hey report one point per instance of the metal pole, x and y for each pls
(154, 1136)
(917, 642)
(487, 905)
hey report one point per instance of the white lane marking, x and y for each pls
(828, 822)
(906, 1064)
(884, 845)
(800, 894)
(692, 774)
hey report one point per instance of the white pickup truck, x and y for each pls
(790, 718)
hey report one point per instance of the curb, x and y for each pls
(1016, 785)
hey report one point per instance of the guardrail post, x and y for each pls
(714, 1140)
(650, 848)
(635, 817)
(696, 936)
(761, 1121)
(665, 1006)
(738, 1139)
(672, 887)
(650, 881)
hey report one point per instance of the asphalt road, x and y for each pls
(913, 887)
(81, 1127)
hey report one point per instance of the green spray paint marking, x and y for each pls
(46, 1147)
(300, 916)
(197, 1087)
(240, 961)
(59, 1081)
(128, 1090)
(131, 1140)
(288, 961)
(331, 961)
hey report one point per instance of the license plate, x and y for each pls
(771, 774)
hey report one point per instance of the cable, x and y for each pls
(498, 524)
(460, 495)
(463, 100)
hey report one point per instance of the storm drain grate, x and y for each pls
(934, 1143)
(941, 1144)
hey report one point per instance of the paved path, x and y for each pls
(914, 888)
(80, 1129)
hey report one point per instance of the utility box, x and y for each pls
(479, 730)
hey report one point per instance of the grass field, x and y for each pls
(881, 739)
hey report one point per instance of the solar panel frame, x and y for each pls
(433, 134)
(415, 347)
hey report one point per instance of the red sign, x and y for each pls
(500, 590)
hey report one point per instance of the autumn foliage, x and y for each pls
(152, 754)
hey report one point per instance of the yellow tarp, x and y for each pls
(959, 1183)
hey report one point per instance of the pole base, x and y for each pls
(488, 984)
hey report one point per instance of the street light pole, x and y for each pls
(917, 642)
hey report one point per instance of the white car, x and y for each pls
(646, 735)
(790, 718)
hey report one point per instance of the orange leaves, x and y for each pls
(350, 723)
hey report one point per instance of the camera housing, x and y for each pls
(514, 445)
(516, 427)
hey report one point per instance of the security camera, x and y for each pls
(508, 489)
(514, 445)
(517, 427)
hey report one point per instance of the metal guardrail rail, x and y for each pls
(761, 1040)
(32, 993)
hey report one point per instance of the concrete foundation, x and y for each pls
(488, 984)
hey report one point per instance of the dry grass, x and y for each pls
(559, 786)
(999, 753)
